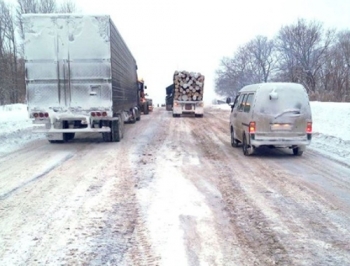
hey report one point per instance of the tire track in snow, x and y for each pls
(47, 169)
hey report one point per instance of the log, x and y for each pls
(188, 86)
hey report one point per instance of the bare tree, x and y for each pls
(47, 6)
(302, 48)
(25, 7)
(68, 6)
(252, 63)
(234, 73)
(335, 78)
(10, 90)
(262, 56)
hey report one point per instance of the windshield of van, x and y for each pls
(282, 101)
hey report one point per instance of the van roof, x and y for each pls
(271, 85)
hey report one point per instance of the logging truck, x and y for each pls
(188, 93)
(80, 76)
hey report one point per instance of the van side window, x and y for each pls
(248, 102)
(237, 101)
(241, 103)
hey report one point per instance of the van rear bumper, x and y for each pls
(280, 142)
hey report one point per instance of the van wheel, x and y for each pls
(297, 152)
(234, 141)
(246, 149)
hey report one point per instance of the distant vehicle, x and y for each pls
(80, 76)
(275, 115)
(169, 98)
(143, 102)
(188, 93)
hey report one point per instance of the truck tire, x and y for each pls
(145, 108)
(117, 130)
(107, 136)
(138, 117)
(68, 136)
(134, 116)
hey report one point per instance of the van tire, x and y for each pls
(297, 151)
(246, 149)
(234, 141)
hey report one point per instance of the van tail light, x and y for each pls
(252, 127)
(309, 127)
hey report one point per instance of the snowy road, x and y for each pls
(173, 192)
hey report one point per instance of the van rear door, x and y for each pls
(284, 111)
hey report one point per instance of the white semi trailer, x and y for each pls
(80, 76)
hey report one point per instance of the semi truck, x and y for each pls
(80, 76)
(188, 93)
(150, 104)
(143, 103)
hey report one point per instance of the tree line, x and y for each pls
(304, 52)
(12, 78)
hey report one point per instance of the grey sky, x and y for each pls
(193, 35)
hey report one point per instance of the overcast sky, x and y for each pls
(194, 35)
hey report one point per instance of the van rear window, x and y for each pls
(281, 99)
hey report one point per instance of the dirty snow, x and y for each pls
(331, 128)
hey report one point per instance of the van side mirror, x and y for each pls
(228, 100)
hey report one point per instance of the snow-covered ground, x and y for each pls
(169, 181)
(331, 128)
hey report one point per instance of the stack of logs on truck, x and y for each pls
(86, 82)
(187, 93)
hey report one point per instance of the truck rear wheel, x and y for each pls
(116, 130)
(134, 116)
(68, 136)
(145, 108)
(138, 117)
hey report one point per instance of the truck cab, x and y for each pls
(143, 103)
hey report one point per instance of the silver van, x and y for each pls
(276, 115)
